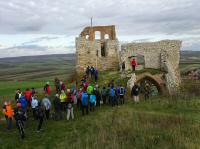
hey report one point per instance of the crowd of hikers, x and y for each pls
(63, 103)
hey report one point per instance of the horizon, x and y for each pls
(46, 27)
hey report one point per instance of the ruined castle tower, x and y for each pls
(97, 46)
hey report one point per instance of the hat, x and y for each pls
(57, 95)
(48, 82)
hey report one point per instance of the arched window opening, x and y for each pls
(97, 35)
(106, 36)
(149, 87)
(87, 37)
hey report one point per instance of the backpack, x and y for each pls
(112, 92)
(85, 99)
(122, 91)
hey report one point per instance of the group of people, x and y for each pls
(93, 72)
(147, 88)
(82, 96)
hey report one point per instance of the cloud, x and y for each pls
(140, 20)
(45, 38)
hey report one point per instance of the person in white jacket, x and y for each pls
(34, 105)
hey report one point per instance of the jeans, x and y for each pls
(40, 123)
(47, 113)
(136, 98)
(9, 123)
(92, 106)
(84, 107)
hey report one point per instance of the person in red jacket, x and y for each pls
(47, 88)
(133, 64)
(28, 96)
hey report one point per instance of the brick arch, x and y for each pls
(156, 79)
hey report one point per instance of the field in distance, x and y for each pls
(33, 71)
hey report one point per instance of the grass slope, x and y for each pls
(157, 123)
(160, 122)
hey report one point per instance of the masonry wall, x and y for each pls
(163, 55)
(88, 53)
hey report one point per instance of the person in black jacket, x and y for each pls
(40, 112)
(57, 107)
(19, 116)
(135, 92)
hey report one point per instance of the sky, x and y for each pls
(39, 27)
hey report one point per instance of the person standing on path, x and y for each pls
(135, 93)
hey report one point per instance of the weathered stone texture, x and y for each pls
(102, 54)
(163, 55)
(105, 54)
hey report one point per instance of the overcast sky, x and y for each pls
(35, 27)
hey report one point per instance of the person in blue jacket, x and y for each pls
(113, 96)
(92, 102)
(24, 104)
(85, 102)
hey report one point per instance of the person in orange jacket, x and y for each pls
(8, 112)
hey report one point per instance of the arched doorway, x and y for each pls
(155, 82)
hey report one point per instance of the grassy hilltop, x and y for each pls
(160, 122)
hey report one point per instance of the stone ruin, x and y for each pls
(98, 46)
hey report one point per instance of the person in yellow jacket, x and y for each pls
(8, 112)
(63, 100)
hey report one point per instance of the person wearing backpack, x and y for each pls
(92, 101)
(84, 101)
(135, 93)
(40, 112)
(113, 96)
(8, 112)
(24, 104)
(19, 116)
(47, 105)
(122, 92)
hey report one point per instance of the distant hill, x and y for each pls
(37, 67)
(38, 58)
(190, 56)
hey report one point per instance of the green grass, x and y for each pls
(159, 122)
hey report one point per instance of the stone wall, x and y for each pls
(89, 53)
(163, 55)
